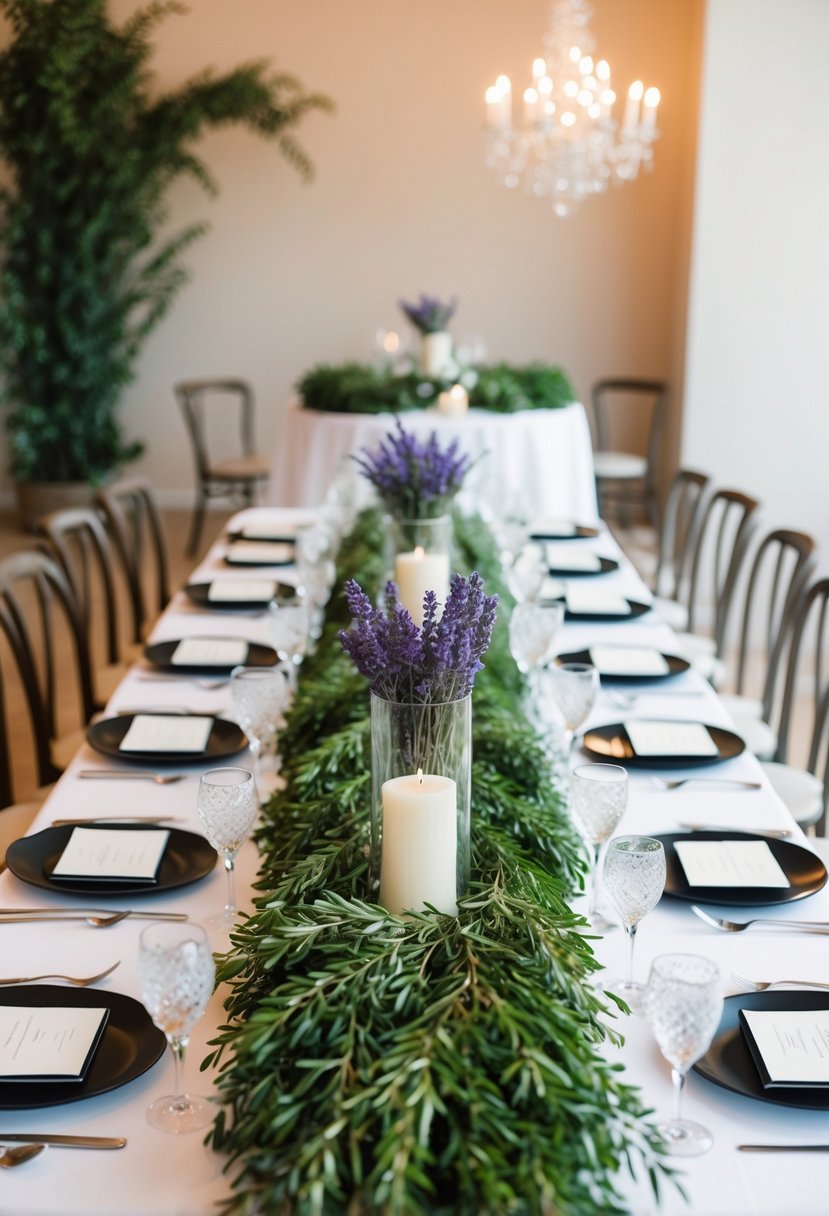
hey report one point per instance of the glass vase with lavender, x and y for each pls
(430, 317)
(421, 679)
(416, 482)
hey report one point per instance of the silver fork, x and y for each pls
(679, 782)
(80, 981)
(762, 985)
(737, 926)
(627, 699)
(129, 774)
(207, 685)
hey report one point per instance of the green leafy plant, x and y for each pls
(86, 273)
(437, 1065)
(356, 388)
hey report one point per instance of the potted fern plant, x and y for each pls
(85, 274)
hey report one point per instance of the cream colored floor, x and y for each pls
(12, 540)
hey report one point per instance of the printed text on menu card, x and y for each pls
(47, 1043)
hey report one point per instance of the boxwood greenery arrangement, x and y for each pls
(87, 269)
(359, 388)
(435, 1064)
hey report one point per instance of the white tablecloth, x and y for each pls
(163, 1175)
(542, 456)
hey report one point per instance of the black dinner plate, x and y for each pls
(160, 655)
(636, 609)
(266, 560)
(676, 666)
(129, 1046)
(225, 739)
(199, 593)
(728, 1062)
(606, 564)
(582, 532)
(285, 536)
(805, 871)
(611, 742)
(187, 858)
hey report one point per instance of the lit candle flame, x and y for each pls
(418, 553)
(420, 775)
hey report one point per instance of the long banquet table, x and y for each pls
(163, 1175)
(543, 456)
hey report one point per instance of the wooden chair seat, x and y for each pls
(240, 468)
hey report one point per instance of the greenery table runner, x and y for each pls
(358, 388)
(436, 1064)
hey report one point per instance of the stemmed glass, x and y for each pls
(527, 573)
(684, 1003)
(316, 570)
(227, 806)
(575, 687)
(177, 974)
(260, 694)
(598, 797)
(634, 877)
(290, 633)
(532, 632)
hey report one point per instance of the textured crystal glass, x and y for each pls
(683, 1001)
(598, 797)
(260, 696)
(575, 687)
(177, 974)
(227, 806)
(634, 878)
(526, 575)
(291, 633)
(532, 632)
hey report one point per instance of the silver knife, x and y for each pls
(66, 1141)
(79, 823)
(81, 913)
(783, 1148)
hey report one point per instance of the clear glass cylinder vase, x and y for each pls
(421, 777)
(420, 560)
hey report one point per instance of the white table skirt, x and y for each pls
(543, 456)
(163, 1175)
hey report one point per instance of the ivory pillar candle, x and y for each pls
(420, 844)
(418, 572)
(453, 403)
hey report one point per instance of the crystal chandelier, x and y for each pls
(569, 146)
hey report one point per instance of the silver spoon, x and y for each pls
(80, 981)
(16, 1156)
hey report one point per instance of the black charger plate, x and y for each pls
(129, 1046)
(676, 666)
(199, 593)
(611, 742)
(805, 871)
(160, 654)
(187, 858)
(636, 609)
(225, 739)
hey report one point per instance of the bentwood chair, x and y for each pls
(782, 565)
(133, 520)
(45, 646)
(681, 517)
(15, 817)
(99, 578)
(805, 712)
(628, 416)
(239, 475)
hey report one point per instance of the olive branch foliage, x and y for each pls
(435, 1064)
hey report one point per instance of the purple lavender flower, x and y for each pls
(430, 315)
(433, 664)
(414, 480)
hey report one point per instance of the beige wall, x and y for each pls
(756, 393)
(293, 275)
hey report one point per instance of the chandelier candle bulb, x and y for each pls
(650, 105)
(418, 572)
(454, 403)
(631, 119)
(419, 856)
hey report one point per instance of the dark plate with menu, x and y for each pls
(636, 609)
(186, 858)
(129, 1046)
(199, 593)
(225, 739)
(606, 564)
(676, 666)
(611, 742)
(804, 870)
(728, 1061)
(580, 532)
(160, 654)
(259, 552)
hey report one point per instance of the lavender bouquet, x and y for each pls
(430, 665)
(414, 480)
(429, 315)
